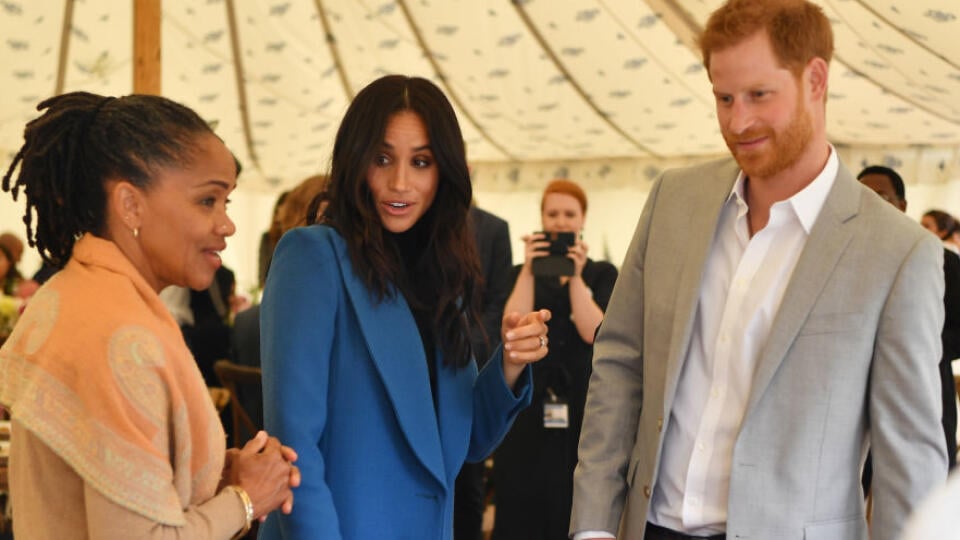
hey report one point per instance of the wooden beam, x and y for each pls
(331, 42)
(239, 78)
(680, 21)
(66, 27)
(444, 82)
(146, 47)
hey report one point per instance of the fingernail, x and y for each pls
(509, 335)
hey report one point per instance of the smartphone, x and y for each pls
(556, 263)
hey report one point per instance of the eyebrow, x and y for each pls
(417, 149)
(221, 183)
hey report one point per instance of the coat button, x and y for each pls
(646, 491)
(659, 425)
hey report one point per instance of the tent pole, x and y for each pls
(146, 47)
(448, 90)
(64, 46)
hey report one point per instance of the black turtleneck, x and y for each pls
(410, 246)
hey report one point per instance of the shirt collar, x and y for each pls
(807, 202)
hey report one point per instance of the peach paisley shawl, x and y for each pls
(97, 368)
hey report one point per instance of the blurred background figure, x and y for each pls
(13, 244)
(9, 275)
(944, 226)
(208, 336)
(492, 235)
(12, 282)
(291, 211)
(533, 467)
(268, 241)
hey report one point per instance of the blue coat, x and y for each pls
(346, 384)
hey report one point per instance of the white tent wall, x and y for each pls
(616, 189)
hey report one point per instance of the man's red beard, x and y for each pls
(780, 151)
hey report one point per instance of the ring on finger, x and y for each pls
(543, 341)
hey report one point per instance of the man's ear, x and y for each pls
(128, 203)
(817, 73)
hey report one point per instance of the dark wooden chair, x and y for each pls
(234, 377)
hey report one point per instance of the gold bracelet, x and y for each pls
(247, 508)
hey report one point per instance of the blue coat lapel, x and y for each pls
(397, 352)
(455, 406)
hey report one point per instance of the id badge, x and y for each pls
(556, 413)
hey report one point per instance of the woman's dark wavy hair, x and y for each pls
(81, 141)
(448, 267)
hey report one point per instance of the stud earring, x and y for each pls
(136, 232)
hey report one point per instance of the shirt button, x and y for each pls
(700, 447)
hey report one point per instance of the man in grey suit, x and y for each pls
(773, 318)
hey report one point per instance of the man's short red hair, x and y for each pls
(798, 30)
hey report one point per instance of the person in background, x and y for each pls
(885, 182)
(492, 236)
(12, 282)
(944, 226)
(533, 468)
(245, 332)
(773, 318)
(114, 433)
(10, 277)
(13, 244)
(368, 369)
(208, 335)
(268, 241)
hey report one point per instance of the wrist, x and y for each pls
(248, 513)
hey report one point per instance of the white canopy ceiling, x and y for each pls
(532, 80)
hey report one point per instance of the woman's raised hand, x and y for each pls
(534, 245)
(578, 252)
(524, 341)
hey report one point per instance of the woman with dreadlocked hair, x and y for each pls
(113, 428)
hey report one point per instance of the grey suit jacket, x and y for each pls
(851, 361)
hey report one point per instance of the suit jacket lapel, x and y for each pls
(704, 212)
(397, 352)
(828, 239)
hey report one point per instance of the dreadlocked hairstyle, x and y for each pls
(81, 141)
(447, 265)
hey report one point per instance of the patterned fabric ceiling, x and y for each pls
(532, 80)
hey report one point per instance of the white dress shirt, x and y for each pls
(740, 293)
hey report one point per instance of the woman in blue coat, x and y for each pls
(367, 365)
